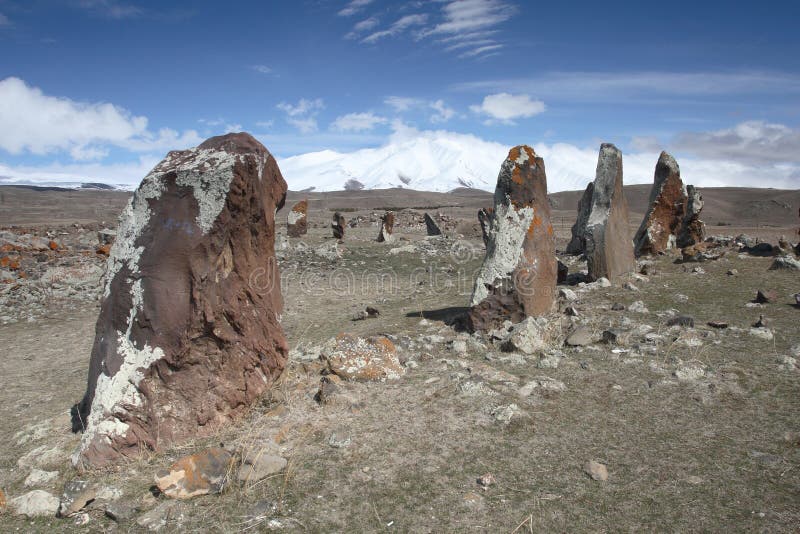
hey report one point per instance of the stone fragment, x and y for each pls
(431, 227)
(577, 244)
(106, 236)
(386, 233)
(259, 466)
(785, 262)
(692, 230)
(362, 359)
(157, 518)
(638, 307)
(567, 295)
(120, 511)
(338, 225)
(682, 320)
(36, 503)
(202, 473)
(520, 252)
(579, 337)
(486, 480)
(485, 216)
(188, 335)
(596, 470)
(666, 210)
(765, 297)
(528, 336)
(609, 249)
(37, 477)
(327, 389)
(762, 333)
(720, 325)
(297, 219)
(76, 495)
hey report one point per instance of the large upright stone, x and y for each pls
(338, 225)
(297, 219)
(662, 222)
(577, 244)
(189, 331)
(431, 227)
(386, 233)
(693, 230)
(609, 249)
(520, 259)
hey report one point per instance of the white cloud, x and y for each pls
(303, 114)
(402, 103)
(750, 142)
(261, 69)
(443, 113)
(481, 50)
(362, 26)
(468, 25)
(111, 9)
(33, 122)
(265, 124)
(505, 107)
(353, 7)
(398, 27)
(357, 122)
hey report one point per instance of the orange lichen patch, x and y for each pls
(513, 154)
(22, 274)
(8, 247)
(535, 223)
(52, 245)
(103, 250)
(199, 474)
(7, 262)
(549, 229)
(356, 358)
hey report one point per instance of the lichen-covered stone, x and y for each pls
(577, 245)
(520, 252)
(363, 359)
(665, 213)
(338, 224)
(386, 233)
(202, 473)
(189, 333)
(485, 219)
(693, 230)
(609, 248)
(297, 219)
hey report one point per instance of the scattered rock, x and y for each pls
(615, 337)
(37, 477)
(787, 363)
(688, 372)
(630, 287)
(296, 219)
(257, 467)
(718, 324)
(761, 323)
(527, 337)
(157, 518)
(486, 480)
(765, 297)
(340, 438)
(567, 295)
(571, 311)
(732, 272)
(602, 282)
(327, 389)
(504, 414)
(363, 359)
(638, 307)
(596, 470)
(541, 382)
(579, 337)
(194, 256)
(120, 511)
(762, 333)
(785, 262)
(106, 236)
(202, 473)
(617, 307)
(36, 503)
(76, 495)
(682, 320)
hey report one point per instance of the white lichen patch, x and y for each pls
(295, 216)
(504, 247)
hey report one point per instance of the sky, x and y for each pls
(101, 89)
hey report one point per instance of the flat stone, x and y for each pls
(260, 467)
(363, 359)
(36, 503)
(76, 495)
(579, 337)
(596, 471)
(37, 477)
(202, 473)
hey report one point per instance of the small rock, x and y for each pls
(614, 336)
(630, 287)
(340, 438)
(120, 511)
(202, 473)
(581, 336)
(327, 389)
(37, 477)
(596, 470)
(76, 495)
(732, 272)
(459, 346)
(698, 270)
(617, 306)
(157, 518)
(567, 295)
(765, 297)
(787, 363)
(486, 480)
(36, 503)
(528, 337)
(543, 382)
(718, 324)
(571, 311)
(602, 282)
(785, 262)
(682, 320)
(362, 359)
(761, 323)
(260, 467)
(81, 519)
(762, 333)
(504, 414)
(638, 307)
(689, 372)
(793, 438)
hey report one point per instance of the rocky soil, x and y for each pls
(629, 408)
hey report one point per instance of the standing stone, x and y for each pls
(693, 230)
(668, 199)
(189, 331)
(337, 225)
(577, 244)
(609, 249)
(386, 234)
(520, 254)
(485, 218)
(431, 226)
(296, 220)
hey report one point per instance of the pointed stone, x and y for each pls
(609, 248)
(431, 227)
(188, 335)
(520, 252)
(577, 244)
(337, 225)
(297, 219)
(386, 234)
(693, 230)
(665, 213)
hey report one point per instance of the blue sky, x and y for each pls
(94, 87)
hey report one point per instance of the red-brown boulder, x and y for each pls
(659, 229)
(297, 219)
(189, 331)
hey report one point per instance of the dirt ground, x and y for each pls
(698, 427)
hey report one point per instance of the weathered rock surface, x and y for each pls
(257, 467)
(577, 245)
(338, 225)
(609, 249)
(485, 219)
(693, 230)
(362, 359)
(297, 219)
(665, 214)
(188, 334)
(36, 503)
(202, 473)
(431, 227)
(596, 470)
(529, 336)
(520, 253)
(386, 233)
(785, 262)
(76, 495)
